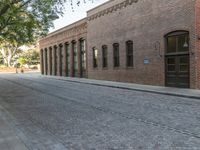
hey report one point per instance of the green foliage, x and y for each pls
(30, 57)
(23, 21)
(22, 61)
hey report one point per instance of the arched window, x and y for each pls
(46, 61)
(129, 53)
(116, 61)
(61, 59)
(50, 60)
(42, 61)
(95, 56)
(55, 59)
(104, 56)
(75, 59)
(177, 59)
(177, 42)
(67, 49)
(82, 57)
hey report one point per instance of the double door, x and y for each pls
(177, 71)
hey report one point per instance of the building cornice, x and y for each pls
(111, 9)
(76, 25)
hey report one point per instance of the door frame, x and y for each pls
(176, 33)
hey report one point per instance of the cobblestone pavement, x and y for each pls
(50, 114)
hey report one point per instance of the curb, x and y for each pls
(127, 88)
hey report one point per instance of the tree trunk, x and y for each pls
(3, 52)
(9, 57)
(9, 61)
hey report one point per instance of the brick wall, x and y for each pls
(145, 23)
(74, 32)
(197, 44)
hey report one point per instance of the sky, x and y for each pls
(75, 14)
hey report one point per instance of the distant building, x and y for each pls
(155, 42)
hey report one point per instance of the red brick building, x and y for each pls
(155, 42)
(63, 52)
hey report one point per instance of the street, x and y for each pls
(51, 114)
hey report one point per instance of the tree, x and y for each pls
(8, 51)
(24, 21)
(15, 13)
(37, 14)
(22, 61)
(31, 56)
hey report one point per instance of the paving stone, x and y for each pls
(61, 115)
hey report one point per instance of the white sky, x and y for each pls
(79, 12)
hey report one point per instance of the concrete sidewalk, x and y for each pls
(8, 136)
(189, 93)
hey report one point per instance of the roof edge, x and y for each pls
(63, 28)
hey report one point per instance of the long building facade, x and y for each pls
(154, 42)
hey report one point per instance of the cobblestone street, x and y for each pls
(50, 114)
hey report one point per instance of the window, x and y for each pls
(83, 54)
(50, 61)
(116, 55)
(129, 53)
(55, 60)
(75, 59)
(61, 58)
(95, 54)
(178, 42)
(171, 64)
(67, 59)
(46, 61)
(42, 61)
(184, 64)
(82, 58)
(104, 56)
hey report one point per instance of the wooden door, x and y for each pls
(177, 71)
(177, 62)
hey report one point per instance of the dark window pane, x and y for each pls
(67, 59)
(55, 60)
(46, 62)
(171, 68)
(184, 68)
(171, 44)
(95, 54)
(130, 61)
(171, 61)
(184, 60)
(116, 54)
(129, 49)
(75, 59)
(184, 64)
(83, 55)
(104, 54)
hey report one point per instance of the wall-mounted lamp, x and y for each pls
(185, 45)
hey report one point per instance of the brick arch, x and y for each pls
(60, 45)
(161, 39)
(175, 29)
(73, 41)
(82, 38)
(66, 43)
